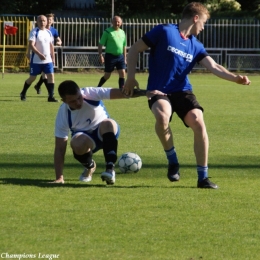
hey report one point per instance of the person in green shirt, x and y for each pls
(114, 40)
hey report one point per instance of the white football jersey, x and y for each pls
(42, 40)
(91, 114)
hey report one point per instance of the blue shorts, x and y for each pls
(112, 61)
(96, 138)
(36, 68)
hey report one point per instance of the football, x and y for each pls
(129, 162)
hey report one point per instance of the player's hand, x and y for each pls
(59, 180)
(129, 86)
(41, 56)
(101, 59)
(243, 80)
(152, 93)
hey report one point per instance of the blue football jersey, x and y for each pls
(171, 58)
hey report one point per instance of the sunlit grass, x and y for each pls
(143, 216)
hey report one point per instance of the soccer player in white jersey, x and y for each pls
(174, 52)
(42, 58)
(85, 116)
(56, 41)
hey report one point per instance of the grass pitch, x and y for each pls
(143, 216)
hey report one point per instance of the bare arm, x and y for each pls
(28, 52)
(132, 58)
(124, 53)
(52, 53)
(222, 72)
(58, 41)
(117, 93)
(34, 49)
(59, 155)
(100, 55)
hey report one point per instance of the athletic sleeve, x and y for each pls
(201, 56)
(153, 36)
(61, 123)
(104, 37)
(94, 93)
(32, 36)
(55, 33)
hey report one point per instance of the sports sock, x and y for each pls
(39, 83)
(110, 147)
(85, 159)
(171, 156)
(110, 166)
(25, 87)
(50, 87)
(121, 82)
(202, 172)
(102, 81)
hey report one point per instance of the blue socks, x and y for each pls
(171, 156)
(202, 172)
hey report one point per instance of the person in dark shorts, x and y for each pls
(174, 50)
(114, 39)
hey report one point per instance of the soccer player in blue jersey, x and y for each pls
(174, 50)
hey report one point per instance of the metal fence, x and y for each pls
(231, 42)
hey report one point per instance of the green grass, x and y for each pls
(143, 216)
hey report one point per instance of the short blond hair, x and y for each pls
(50, 15)
(195, 8)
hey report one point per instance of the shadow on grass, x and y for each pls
(18, 97)
(42, 183)
(151, 167)
(235, 165)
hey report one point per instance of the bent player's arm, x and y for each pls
(59, 155)
(222, 72)
(117, 93)
(28, 52)
(33, 48)
(52, 52)
(58, 41)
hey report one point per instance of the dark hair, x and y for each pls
(195, 8)
(68, 87)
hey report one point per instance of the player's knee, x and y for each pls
(107, 125)
(196, 124)
(78, 143)
(162, 118)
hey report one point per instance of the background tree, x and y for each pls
(249, 5)
(30, 7)
(137, 8)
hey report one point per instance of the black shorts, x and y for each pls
(181, 103)
(112, 61)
